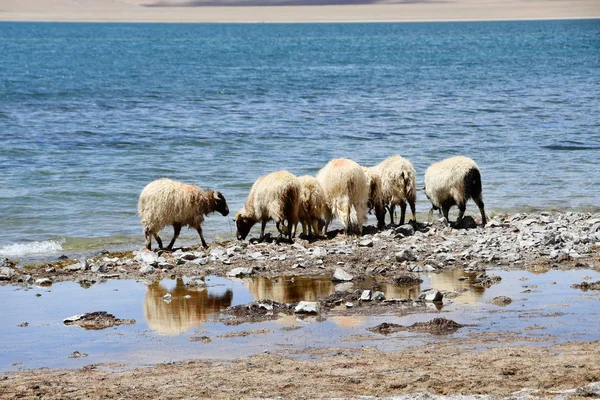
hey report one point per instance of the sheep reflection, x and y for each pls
(180, 314)
(289, 289)
(449, 281)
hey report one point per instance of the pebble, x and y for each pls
(307, 307)
(341, 276)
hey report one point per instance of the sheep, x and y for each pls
(312, 204)
(274, 196)
(346, 194)
(166, 202)
(375, 195)
(452, 182)
(398, 186)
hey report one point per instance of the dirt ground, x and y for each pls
(449, 367)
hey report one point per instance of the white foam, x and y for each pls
(25, 249)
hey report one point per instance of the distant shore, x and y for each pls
(268, 11)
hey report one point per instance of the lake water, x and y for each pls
(90, 113)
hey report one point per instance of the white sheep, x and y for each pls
(398, 186)
(275, 196)
(452, 182)
(312, 204)
(166, 202)
(346, 194)
(375, 195)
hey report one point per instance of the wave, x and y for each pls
(31, 248)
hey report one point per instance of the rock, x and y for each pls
(501, 301)
(341, 276)
(188, 257)
(196, 282)
(366, 243)
(80, 266)
(297, 246)
(366, 295)
(146, 269)
(240, 271)
(77, 354)
(406, 230)
(265, 306)
(23, 325)
(378, 296)
(257, 255)
(349, 304)
(467, 222)
(218, 252)
(96, 320)
(307, 307)
(319, 252)
(431, 295)
(102, 268)
(26, 279)
(166, 265)
(43, 282)
(146, 257)
(406, 255)
(6, 273)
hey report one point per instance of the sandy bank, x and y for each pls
(273, 11)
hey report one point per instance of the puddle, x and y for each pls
(33, 334)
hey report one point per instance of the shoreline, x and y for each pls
(509, 359)
(458, 11)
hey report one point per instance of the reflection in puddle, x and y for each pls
(457, 280)
(34, 335)
(187, 308)
(290, 289)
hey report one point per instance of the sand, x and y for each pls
(293, 10)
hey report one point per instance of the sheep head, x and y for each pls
(219, 203)
(243, 225)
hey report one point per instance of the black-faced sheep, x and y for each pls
(452, 182)
(398, 186)
(165, 202)
(346, 194)
(275, 196)
(312, 204)
(375, 195)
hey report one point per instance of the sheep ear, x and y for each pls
(216, 195)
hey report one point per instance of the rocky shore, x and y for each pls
(535, 242)
(487, 365)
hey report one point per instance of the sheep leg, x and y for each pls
(479, 203)
(402, 212)
(263, 226)
(158, 241)
(148, 236)
(461, 211)
(445, 210)
(176, 231)
(199, 229)
(413, 210)
(391, 208)
(304, 230)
